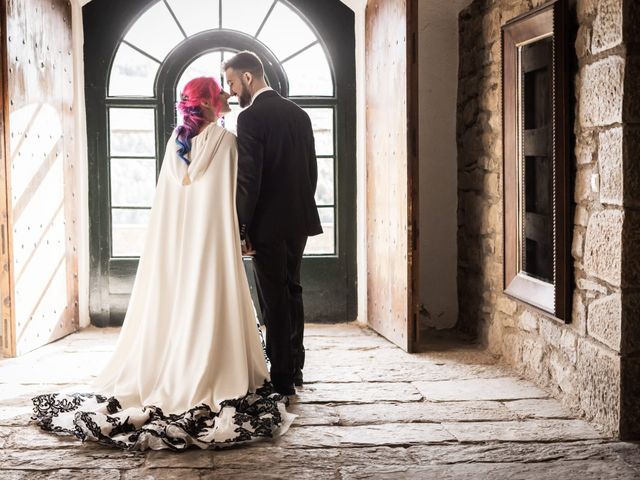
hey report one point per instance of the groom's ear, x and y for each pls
(248, 76)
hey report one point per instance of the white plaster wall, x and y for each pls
(358, 7)
(438, 79)
(82, 161)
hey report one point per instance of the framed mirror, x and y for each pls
(537, 160)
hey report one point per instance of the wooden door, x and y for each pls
(8, 326)
(38, 201)
(392, 154)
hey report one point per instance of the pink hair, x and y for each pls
(198, 90)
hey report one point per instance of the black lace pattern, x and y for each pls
(255, 416)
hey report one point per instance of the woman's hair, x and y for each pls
(198, 90)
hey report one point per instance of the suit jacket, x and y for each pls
(277, 170)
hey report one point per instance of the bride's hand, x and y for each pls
(247, 248)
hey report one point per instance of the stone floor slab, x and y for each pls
(78, 457)
(506, 388)
(523, 431)
(433, 412)
(32, 437)
(538, 408)
(366, 435)
(64, 474)
(592, 470)
(368, 410)
(509, 452)
(357, 393)
(314, 414)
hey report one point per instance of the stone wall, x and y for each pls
(591, 361)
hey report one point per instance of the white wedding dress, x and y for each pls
(189, 367)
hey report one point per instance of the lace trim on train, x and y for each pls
(98, 418)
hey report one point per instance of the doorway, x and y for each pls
(145, 51)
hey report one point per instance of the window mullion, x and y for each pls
(175, 18)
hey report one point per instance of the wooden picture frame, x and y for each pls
(537, 160)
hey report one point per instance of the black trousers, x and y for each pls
(276, 266)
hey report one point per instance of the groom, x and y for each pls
(277, 176)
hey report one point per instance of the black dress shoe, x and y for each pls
(297, 378)
(285, 390)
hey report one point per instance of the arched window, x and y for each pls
(139, 54)
(303, 74)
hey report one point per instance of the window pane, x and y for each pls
(324, 191)
(309, 73)
(132, 73)
(230, 120)
(132, 132)
(323, 244)
(133, 181)
(322, 122)
(208, 65)
(128, 228)
(155, 32)
(196, 15)
(244, 15)
(285, 32)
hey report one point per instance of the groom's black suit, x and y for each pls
(277, 176)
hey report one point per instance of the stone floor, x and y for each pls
(367, 411)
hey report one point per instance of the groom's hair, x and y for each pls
(246, 62)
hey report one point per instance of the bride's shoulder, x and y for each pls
(228, 136)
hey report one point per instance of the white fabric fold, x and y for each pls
(190, 334)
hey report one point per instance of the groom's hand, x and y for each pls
(247, 248)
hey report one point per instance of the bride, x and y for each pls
(189, 367)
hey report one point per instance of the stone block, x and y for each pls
(543, 454)
(603, 246)
(598, 376)
(538, 408)
(605, 319)
(563, 376)
(506, 305)
(484, 389)
(586, 10)
(591, 286)
(533, 358)
(365, 435)
(581, 216)
(583, 41)
(492, 184)
(358, 392)
(585, 148)
(578, 315)
(528, 321)
(607, 26)
(512, 349)
(423, 412)
(569, 345)
(523, 431)
(601, 92)
(610, 161)
(550, 332)
(582, 192)
(577, 247)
